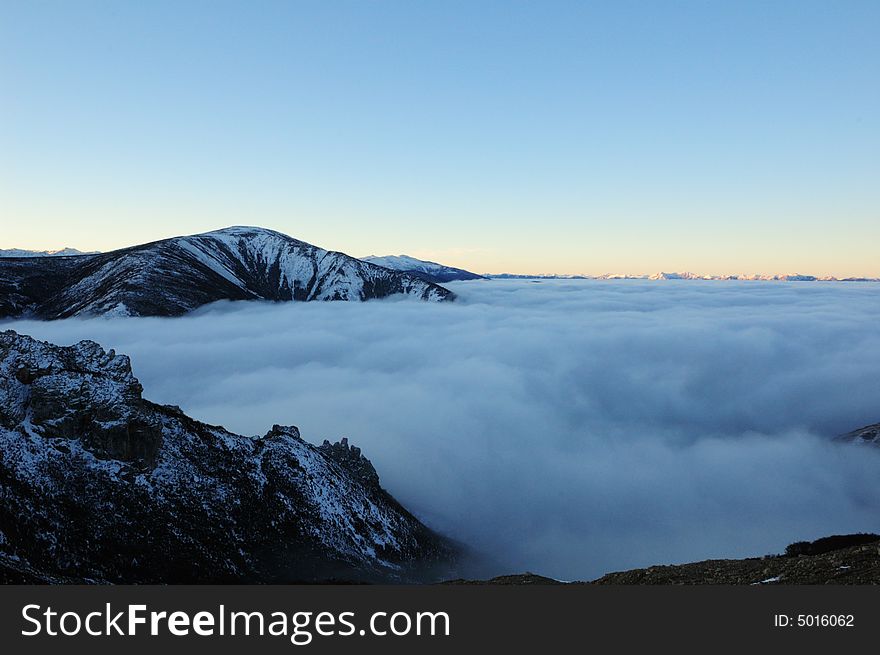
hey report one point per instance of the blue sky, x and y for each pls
(499, 136)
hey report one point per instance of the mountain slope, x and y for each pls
(98, 484)
(425, 270)
(870, 434)
(173, 276)
(850, 564)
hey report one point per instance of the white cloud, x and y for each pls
(566, 427)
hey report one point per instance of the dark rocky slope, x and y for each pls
(174, 276)
(839, 559)
(99, 485)
(870, 434)
(853, 564)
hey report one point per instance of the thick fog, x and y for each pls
(563, 427)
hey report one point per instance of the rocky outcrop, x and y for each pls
(98, 484)
(870, 434)
(174, 276)
(351, 459)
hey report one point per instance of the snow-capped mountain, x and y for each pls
(676, 276)
(785, 277)
(98, 484)
(429, 271)
(173, 276)
(63, 252)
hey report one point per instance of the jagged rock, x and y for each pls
(351, 459)
(99, 485)
(174, 276)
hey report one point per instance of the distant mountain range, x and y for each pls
(174, 276)
(99, 485)
(795, 277)
(426, 270)
(64, 252)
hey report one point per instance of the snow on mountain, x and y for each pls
(64, 252)
(426, 270)
(98, 484)
(174, 276)
(676, 276)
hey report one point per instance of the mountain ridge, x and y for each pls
(422, 268)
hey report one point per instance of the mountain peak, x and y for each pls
(244, 231)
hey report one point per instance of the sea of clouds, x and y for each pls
(563, 427)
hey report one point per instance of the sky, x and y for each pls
(567, 428)
(525, 137)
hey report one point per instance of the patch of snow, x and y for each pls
(769, 580)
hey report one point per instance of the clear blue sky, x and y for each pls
(502, 136)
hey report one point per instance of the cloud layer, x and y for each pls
(564, 427)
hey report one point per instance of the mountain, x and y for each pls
(870, 434)
(173, 276)
(795, 277)
(676, 276)
(425, 270)
(98, 484)
(64, 252)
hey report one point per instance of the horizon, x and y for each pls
(741, 273)
(496, 137)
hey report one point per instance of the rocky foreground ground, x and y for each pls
(846, 559)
